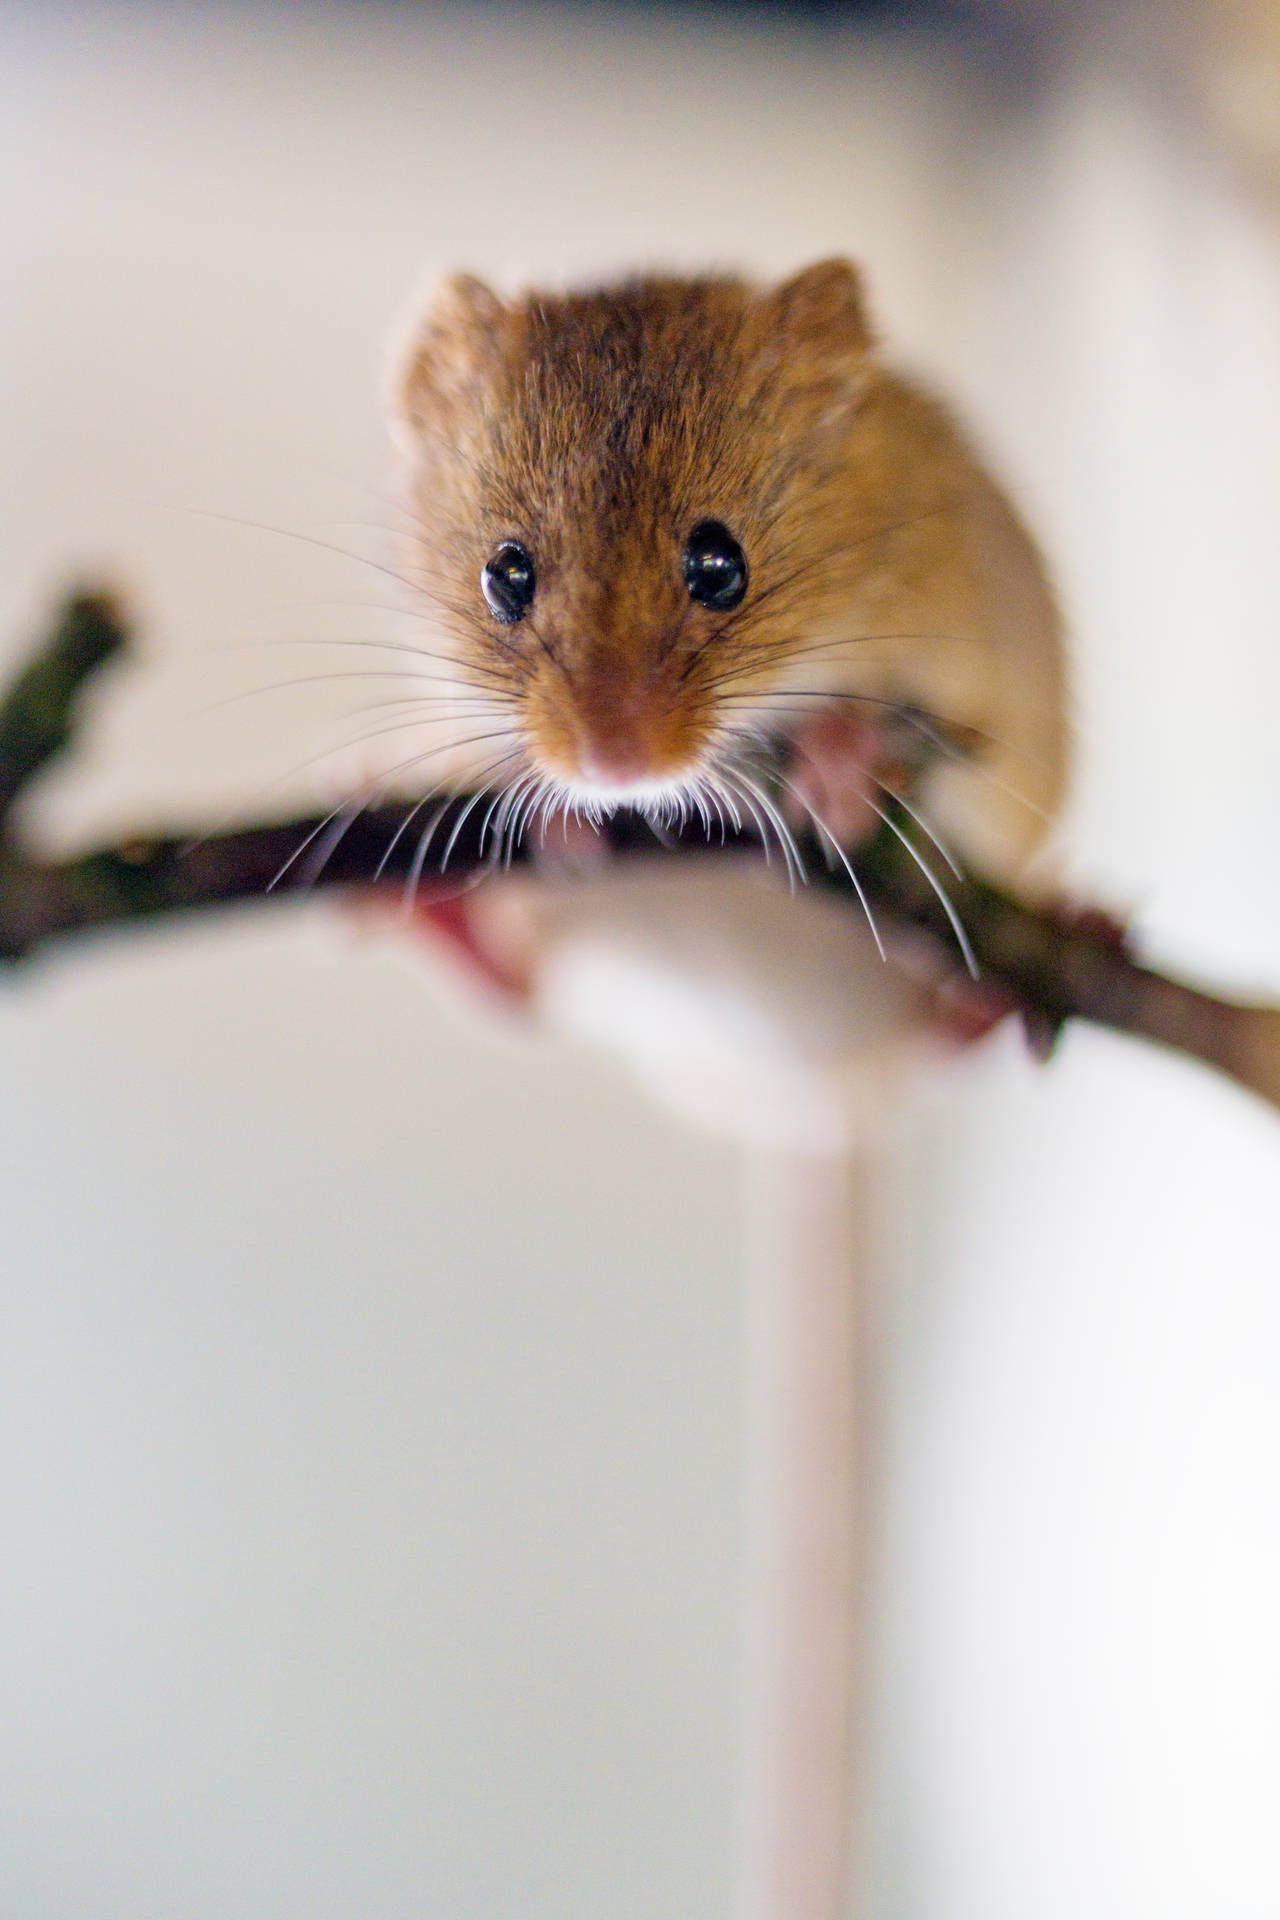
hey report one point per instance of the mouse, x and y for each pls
(691, 544)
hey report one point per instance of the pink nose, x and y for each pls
(614, 765)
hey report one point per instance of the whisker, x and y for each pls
(727, 800)
(318, 679)
(743, 617)
(772, 649)
(498, 800)
(449, 745)
(378, 783)
(914, 813)
(476, 711)
(844, 859)
(504, 848)
(523, 808)
(299, 850)
(414, 876)
(461, 669)
(931, 726)
(916, 718)
(420, 854)
(458, 679)
(306, 539)
(791, 853)
(761, 823)
(396, 837)
(310, 871)
(452, 841)
(698, 796)
(910, 712)
(550, 797)
(962, 938)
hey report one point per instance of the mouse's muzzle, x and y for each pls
(613, 733)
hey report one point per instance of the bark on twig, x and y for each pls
(1055, 967)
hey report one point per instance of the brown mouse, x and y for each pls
(659, 522)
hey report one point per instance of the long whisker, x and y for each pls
(915, 718)
(311, 869)
(460, 668)
(745, 658)
(395, 839)
(473, 714)
(725, 799)
(931, 726)
(412, 815)
(698, 798)
(301, 848)
(550, 799)
(790, 852)
(363, 794)
(420, 855)
(452, 841)
(503, 826)
(924, 719)
(306, 539)
(410, 894)
(962, 938)
(496, 802)
(914, 813)
(415, 726)
(843, 857)
(522, 810)
(318, 679)
(762, 826)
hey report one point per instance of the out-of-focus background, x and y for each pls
(370, 1425)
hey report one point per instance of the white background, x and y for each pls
(369, 1378)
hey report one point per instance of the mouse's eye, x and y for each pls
(507, 581)
(714, 566)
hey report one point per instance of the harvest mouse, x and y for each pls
(687, 545)
(660, 525)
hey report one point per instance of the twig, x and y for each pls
(1054, 967)
(37, 713)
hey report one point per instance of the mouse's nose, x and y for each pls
(616, 745)
(613, 762)
(618, 737)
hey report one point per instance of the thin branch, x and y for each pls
(1053, 966)
(37, 713)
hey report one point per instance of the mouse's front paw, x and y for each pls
(846, 764)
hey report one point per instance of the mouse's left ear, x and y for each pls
(821, 311)
(444, 353)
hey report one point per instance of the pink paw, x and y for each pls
(488, 930)
(840, 758)
(489, 961)
(965, 1011)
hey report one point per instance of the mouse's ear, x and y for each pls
(821, 311)
(444, 351)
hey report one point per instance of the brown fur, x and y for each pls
(598, 427)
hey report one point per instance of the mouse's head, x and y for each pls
(627, 508)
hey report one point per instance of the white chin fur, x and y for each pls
(663, 798)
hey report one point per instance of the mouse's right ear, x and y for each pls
(443, 352)
(822, 312)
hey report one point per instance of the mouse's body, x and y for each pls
(657, 524)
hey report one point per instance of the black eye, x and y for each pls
(715, 567)
(507, 581)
